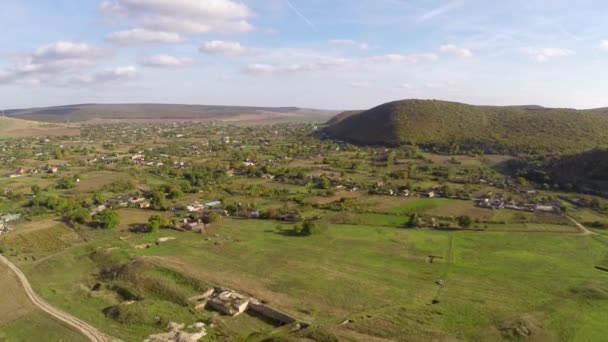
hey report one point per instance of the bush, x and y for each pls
(108, 219)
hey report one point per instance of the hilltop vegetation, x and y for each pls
(456, 127)
(584, 172)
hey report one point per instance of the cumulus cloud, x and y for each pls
(143, 36)
(218, 47)
(52, 62)
(107, 76)
(349, 42)
(604, 45)
(183, 16)
(166, 61)
(545, 54)
(456, 50)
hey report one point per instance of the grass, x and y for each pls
(380, 277)
(20, 320)
(420, 205)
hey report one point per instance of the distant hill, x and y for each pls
(457, 126)
(88, 112)
(13, 128)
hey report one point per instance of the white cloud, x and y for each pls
(410, 59)
(324, 63)
(68, 50)
(183, 16)
(143, 36)
(452, 5)
(349, 42)
(545, 54)
(52, 62)
(165, 61)
(107, 76)
(218, 47)
(456, 50)
(604, 44)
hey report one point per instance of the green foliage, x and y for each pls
(307, 228)
(66, 183)
(455, 127)
(79, 216)
(108, 219)
(159, 201)
(156, 222)
(464, 221)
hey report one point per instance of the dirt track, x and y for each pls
(87, 330)
(583, 229)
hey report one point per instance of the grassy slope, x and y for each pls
(16, 128)
(447, 123)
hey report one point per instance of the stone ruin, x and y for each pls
(230, 303)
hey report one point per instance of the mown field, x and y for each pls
(381, 278)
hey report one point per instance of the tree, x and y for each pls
(109, 219)
(157, 222)
(80, 216)
(36, 189)
(210, 218)
(464, 221)
(159, 201)
(66, 183)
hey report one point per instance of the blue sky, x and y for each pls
(335, 54)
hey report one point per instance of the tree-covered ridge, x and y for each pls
(587, 171)
(456, 127)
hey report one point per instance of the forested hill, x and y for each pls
(456, 127)
(586, 172)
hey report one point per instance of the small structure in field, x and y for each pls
(228, 303)
(231, 303)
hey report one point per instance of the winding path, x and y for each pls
(87, 330)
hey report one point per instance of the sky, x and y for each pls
(328, 54)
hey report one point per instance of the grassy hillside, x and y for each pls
(87, 112)
(454, 126)
(16, 128)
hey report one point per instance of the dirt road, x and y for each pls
(583, 229)
(84, 328)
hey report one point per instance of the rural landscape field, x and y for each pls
(124, 226)
(303, 171)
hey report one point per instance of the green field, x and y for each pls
(375, 276)
(22, 321)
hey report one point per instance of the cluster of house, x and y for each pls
(20, 172)
(134, 201)
(4, 228)
(499, 203)
(123, 202)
